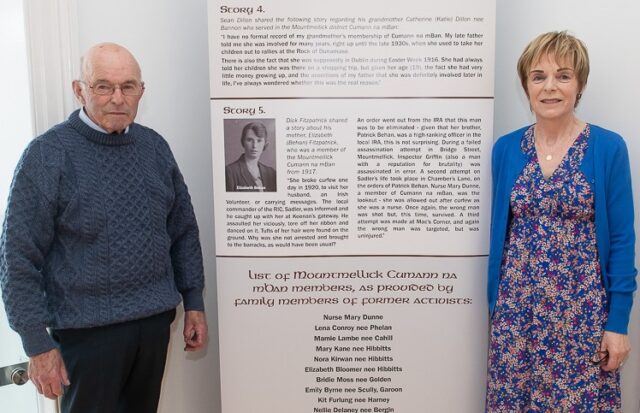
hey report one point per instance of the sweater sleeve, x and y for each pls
(186, 253)
(621, 271)
(27, 235)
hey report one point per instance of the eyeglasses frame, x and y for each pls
(113, 89)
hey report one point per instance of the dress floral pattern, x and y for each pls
(551, 308)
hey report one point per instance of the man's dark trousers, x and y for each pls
(115, 368)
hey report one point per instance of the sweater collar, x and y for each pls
(86, 119)
(101, 137)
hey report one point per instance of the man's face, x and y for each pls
(109, 67)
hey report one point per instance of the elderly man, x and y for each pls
(100, 245)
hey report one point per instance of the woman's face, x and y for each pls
(253, 145)
(553, 89)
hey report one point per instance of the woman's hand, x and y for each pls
(617, 346)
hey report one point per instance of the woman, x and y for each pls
(561, 261)
(247, 174)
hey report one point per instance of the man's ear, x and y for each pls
(77, 90)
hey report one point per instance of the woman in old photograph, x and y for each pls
(248, 174)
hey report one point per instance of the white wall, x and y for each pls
(610, 30)
(169, 38)
(15, 118)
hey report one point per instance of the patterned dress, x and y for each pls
(551, 308)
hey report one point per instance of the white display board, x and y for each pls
(354, 281)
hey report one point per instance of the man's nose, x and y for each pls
(117, 96)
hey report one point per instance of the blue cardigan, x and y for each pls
(606, 167)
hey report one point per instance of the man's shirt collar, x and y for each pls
(86, 119)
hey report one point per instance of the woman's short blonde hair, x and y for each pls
(563, 47)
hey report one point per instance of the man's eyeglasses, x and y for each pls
(108, 89)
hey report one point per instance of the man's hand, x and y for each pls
(48, 374)
(195, 330)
